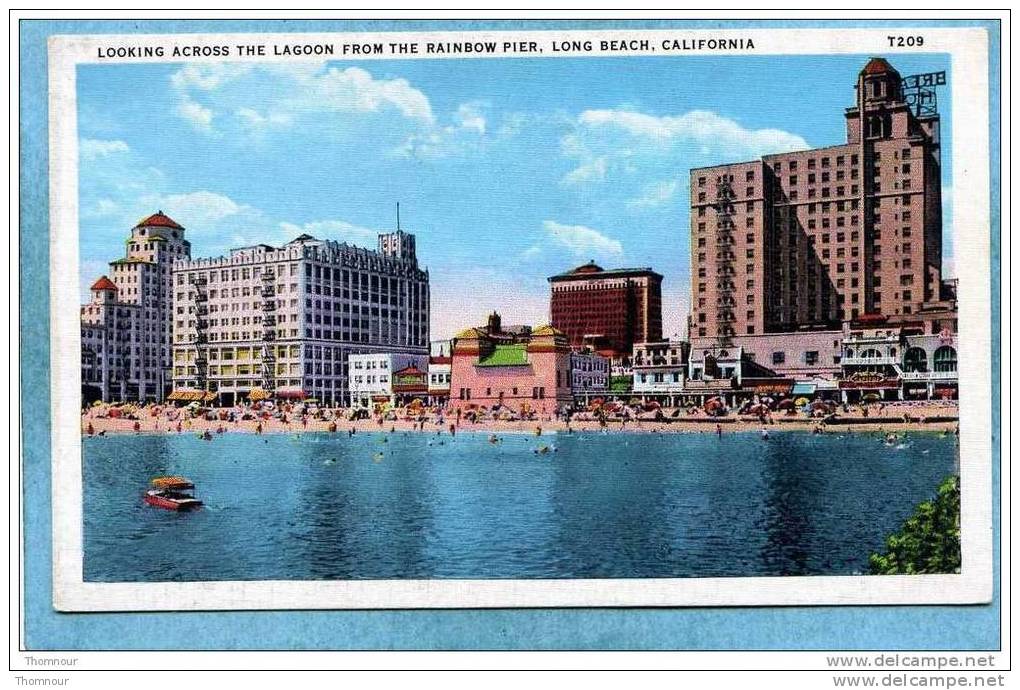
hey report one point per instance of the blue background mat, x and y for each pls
(790, 628)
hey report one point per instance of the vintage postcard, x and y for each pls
(521, 318)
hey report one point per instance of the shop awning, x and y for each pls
(191, 396)
(804, 389)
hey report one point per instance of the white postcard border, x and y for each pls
(968, 48)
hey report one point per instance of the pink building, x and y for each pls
(522, 369)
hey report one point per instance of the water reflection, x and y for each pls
(323, 506)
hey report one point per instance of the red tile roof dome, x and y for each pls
(104, 283)
(877, 65)
(159, 220)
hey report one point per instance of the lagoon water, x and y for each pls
(321, 506)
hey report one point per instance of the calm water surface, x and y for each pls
(320, 506)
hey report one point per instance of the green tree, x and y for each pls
(930, 539)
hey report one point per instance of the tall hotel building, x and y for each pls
(125, 327)
(267, 321)
(812, 238)
(608, 310)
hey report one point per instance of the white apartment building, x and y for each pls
(372, 376)
(126, 326)
(660, 367)
(440, 371)
(282, 321)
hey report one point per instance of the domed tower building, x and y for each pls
(127, 325)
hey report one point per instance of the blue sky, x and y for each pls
(508, 171)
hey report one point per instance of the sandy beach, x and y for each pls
(889, 418)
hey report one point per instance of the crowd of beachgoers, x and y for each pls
(295, 417)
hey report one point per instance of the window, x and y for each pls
(778, 357)
(945, 359)
(811, 357)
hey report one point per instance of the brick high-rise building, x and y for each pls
(813, 238)
(609, 310)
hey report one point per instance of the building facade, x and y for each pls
(802, 355)
(440, 361)
(898, 363)
(126, 328)
(283, 321)
(660, 368)
(814, 238)
(589, 375)
(386, 378)
(607, 310)
(527, 371)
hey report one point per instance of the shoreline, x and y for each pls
(851, 424)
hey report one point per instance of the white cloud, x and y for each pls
(256, 120)
(469, 116)
(90, 149)
(197, 114)
(582, 240)
(332, 230)
(303, 87)
(103, 208)
(627, 143)
(266, 97)
(655, 194)
(208, 76)
(532, 252)
(593, 170)
(701, 126)
(467, 130)
(355, 89)
(198, 210)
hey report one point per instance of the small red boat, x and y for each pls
(169, 493)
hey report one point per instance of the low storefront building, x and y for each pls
(372, 378)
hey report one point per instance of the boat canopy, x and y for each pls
(172, 483)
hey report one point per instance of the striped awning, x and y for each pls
(187, 395)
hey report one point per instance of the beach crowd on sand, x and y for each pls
(294, 417)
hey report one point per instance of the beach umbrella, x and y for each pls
(760, 408)
(820, 405)
(652, 405)
(871, 397)
(801, 402)
(787, 404)
(714, 404)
